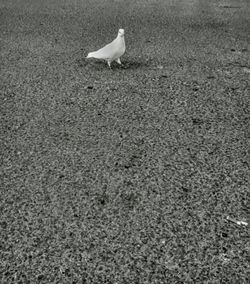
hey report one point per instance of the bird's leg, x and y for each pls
(118, 60)
(109, 64)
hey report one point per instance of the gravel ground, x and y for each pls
(125, 175)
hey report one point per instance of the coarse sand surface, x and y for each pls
(134, 175)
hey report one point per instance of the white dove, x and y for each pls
(112, 51)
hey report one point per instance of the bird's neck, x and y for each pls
(120, 37)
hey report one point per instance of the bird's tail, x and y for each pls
(91, 54)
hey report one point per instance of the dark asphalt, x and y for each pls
(125, 175)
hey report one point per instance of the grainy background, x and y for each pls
(124, 175)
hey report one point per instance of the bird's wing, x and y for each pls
(109, 51)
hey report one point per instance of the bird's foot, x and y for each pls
(118, 61)
(109, 64)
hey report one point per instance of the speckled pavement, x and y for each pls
(139, 174)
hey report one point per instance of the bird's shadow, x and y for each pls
(136, 64)
(101, 64)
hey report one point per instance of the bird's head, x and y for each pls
(121, 32)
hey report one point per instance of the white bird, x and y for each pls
(112, 51)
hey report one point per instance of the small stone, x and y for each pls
(247, 70)
(163, 76)
(211, 77)
(160, 67)
(3, 225)
(40, 277)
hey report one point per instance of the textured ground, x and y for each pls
(124, 175)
